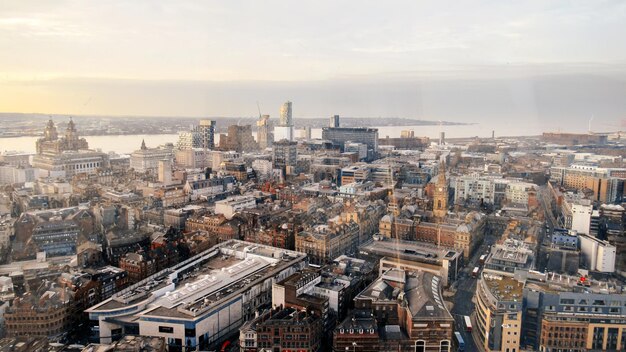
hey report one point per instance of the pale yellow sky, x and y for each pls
(101, 57)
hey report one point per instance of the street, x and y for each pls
(466, 287)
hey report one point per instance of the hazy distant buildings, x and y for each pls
(334, 121)
(574, 138)
(200, 136)
(147, 159)
(68, 155)
(607, 184)
(407, 134)
(284, 156)
(239, 139)
(285, 114)
(284, 130)
(165, 171)
(207, 132)
(340, 135)
(264, 135)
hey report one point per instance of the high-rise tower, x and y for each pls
(207, 132)
(334, 121)
(284, 130)
(285, 114)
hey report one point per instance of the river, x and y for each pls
(125, 144)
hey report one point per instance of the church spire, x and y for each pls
(143, 144)
(441, 179)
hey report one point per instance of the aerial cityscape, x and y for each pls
(211, 207)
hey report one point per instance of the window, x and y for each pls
(166, 329)
(420, 346)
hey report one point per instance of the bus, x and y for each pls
(482, 259)
(475, 272)
(468, 323)
(459, 341)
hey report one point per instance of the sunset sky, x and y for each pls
(357, 58)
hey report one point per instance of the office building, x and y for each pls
(581, 217)
(475, 189)
(10, 174)
(284, 156)
(359, 148)
(607, 184)
(498, 312)
(334, 121)
(597, 255)
(573, 313)
(198, 303)
(340, 135)
(207, 132)
(56, 238)
(239, 139)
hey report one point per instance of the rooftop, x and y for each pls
(419, 291)
(409, 250)
(504, 288)
(203, 281)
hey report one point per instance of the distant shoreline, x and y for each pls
(348, 122)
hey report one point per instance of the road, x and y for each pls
(466, 287)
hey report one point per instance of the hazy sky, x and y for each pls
(356, 58)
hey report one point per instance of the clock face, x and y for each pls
(440, 189)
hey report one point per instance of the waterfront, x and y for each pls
(125, 144)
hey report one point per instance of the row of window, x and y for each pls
(597, 302)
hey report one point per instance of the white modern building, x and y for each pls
(283, 132)
(10, 174)
(597, 255)
(228, 207)
(581, 217)
(199, 303)
(476, 188)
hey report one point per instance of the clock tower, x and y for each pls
(440, 199)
